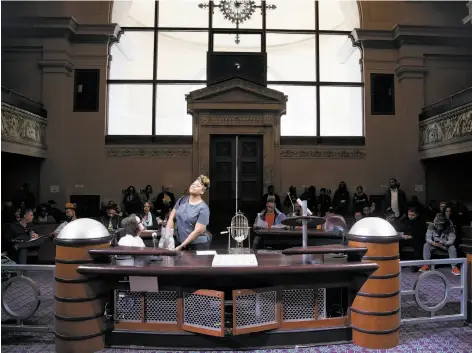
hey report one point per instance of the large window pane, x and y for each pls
(132, 57)
(219, 20)
(338, 15)
(291, 57)
(181, 13)
(129, 109)
(300, 119)
(135, 13)
(182, 55)
(171, 109)
(339, 60)
(226, 42)
(341, 111)
(290, 14)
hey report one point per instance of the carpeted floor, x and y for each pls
(449, 337)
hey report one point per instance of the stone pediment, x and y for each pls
(236, 91)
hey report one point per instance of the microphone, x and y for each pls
(309, 213)
(293, 206)
(154, 239)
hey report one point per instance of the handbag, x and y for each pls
(167, 241)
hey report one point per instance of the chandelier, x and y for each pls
(238, 11)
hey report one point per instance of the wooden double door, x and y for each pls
(236, 173)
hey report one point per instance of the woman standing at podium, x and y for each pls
(192, 216)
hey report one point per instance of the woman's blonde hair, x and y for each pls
(204, 180)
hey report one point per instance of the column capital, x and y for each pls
(56, 67)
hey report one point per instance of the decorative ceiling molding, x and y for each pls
(208, 119)
(59, 27)
(413, 35)
(448, 128)
(323, 153)
(23, 127)
(148, 152)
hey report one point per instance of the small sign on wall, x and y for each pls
(418, 188)
(54, 188)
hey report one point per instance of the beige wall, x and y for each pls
(77, 160)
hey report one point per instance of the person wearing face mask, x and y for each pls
(133, 228)
(71, 216)
(111, 220)
(440, 236)
(192, 216)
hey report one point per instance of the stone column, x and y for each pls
(80, 301)
(375, 312)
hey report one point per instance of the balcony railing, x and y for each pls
(447, 122)
(18, 100)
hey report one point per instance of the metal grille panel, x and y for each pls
(256, 309)
(127, 306)
(161, 307)
(299, 304)
(202, 311)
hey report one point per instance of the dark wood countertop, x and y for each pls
(188, 263)
(325, 249)
(297, 233)
(131, 251)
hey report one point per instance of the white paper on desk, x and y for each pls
(234, 260)
(206, 252)
(143, 284)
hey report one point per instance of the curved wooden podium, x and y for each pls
(375, 312)
(79, 323)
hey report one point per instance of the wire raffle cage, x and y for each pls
(241, 233)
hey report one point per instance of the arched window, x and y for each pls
(162, 56)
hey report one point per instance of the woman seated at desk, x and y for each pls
(192, 216)
(133, 228)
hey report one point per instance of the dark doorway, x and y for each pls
(236, 164)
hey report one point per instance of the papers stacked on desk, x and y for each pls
(234, 260)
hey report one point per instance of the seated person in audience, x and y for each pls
(43, 216)
(414, 230)
(394, 221)
(111, 220)
(133, 228)
(163, 217)
(440, 236)
(20, 232)
(271, 196)
(71, 216)
(148, 219)
(318, 212)
(269, 218)
(119, 211)
(367, 211)
(358, 216)
(442, 206)
(58, 215)
(330, 212)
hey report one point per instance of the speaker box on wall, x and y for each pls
(86, 90)
(382, 88)
(226, 65)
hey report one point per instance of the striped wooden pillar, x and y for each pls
(79, 322)
(467, 249)
(375, 312)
